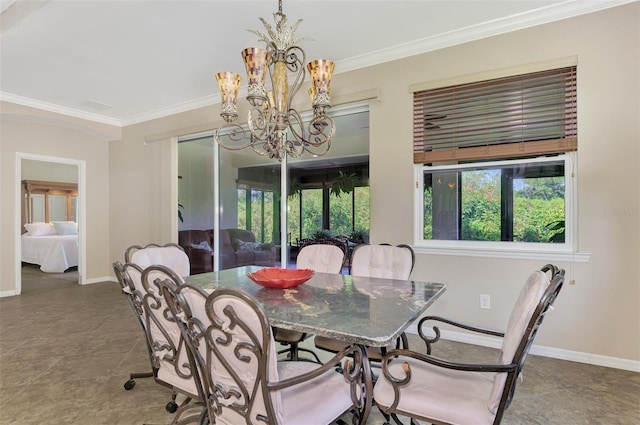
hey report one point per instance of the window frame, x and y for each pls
(503, 249)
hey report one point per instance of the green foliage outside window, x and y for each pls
(538, 208)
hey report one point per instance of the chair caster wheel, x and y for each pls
(171, 407)
(129, 384)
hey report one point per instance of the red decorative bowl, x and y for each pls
(272, 277)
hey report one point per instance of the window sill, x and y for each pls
(506, 252)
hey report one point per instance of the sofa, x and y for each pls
(239, 248)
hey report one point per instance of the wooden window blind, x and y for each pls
(512, 117)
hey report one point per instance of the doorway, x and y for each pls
(63, 171)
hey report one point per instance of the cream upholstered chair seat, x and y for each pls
(169, 255)
(436, 390)
(301, 403)
(385, 261)
(231, 343)
(432, 389)
(323, 258)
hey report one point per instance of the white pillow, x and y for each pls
(202, 245)
(66, 227)
(40, 229)
(248, 246)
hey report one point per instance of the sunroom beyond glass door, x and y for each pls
(236, 195)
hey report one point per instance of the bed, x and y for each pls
(54, 254)
(49, 225)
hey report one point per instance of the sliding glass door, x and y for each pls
(233, 202)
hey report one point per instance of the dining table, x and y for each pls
(365, 311)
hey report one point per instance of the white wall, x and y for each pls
(49, 171)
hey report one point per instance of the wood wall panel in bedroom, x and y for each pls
(47, 189)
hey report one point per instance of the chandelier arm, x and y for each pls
(260, 148)
(311, 149)
(295, 64)
(235, 133)
(296, 126)
(261, 123)
(321, 129)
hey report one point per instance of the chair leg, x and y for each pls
(133, 376)
(187, 405)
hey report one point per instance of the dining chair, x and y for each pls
(134, 300)
(442, 391)
(230, 339)
(170, 255)
(383, 261)
(322, 257)
(166, 346)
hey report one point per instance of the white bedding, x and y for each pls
(54, 254)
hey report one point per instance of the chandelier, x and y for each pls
(273, 128)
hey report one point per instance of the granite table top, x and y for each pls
(359, 310)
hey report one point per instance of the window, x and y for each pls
(316, 209)
(519, 201)
(257, 212)
(494, 163)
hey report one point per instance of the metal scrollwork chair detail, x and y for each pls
(167, 350)
(439, 391)
(384, 261)
(230, 338)
(134, 300)
(319, 256)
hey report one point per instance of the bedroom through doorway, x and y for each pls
(48, 233)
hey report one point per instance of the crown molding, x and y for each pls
(544, 15)
(175, 109)
(51, 107)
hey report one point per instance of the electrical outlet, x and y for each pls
(485, 302)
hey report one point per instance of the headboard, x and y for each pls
(48, 193)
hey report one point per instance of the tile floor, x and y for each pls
(66, 350)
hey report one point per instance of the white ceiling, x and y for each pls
(126, 61)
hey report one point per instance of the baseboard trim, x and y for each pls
(539, 350)
(7, 293)
(100, 280)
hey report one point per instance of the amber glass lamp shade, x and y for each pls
(229, 83)
(256, 62)
(321, 71)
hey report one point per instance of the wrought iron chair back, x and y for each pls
(168, 352)
(230, 339)
(134, 299)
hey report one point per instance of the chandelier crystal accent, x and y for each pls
(273, 128)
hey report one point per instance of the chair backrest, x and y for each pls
(170, 255)
(320, 257)
(169, 355)
(536, 297)
(385, 261)
(134, 298)
(230, 338)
